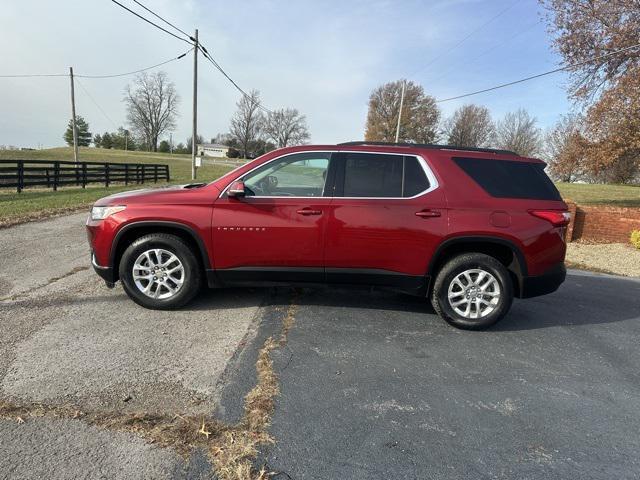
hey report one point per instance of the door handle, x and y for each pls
(428, 213)
(308, 211)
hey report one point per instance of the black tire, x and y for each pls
(192, 279)
(456, 266)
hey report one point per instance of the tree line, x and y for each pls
(598, 141)
(470, 125)
(152, 103)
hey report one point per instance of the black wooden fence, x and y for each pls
(21, 174)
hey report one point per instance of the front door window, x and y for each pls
(296, 175)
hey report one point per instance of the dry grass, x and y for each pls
(233, 454)
(175, 431)
(232, 448)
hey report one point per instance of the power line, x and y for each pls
(466, 37)
(182, 55)
(99, 76)
(151, 23)
(473, 60)
(206, 55)
(532, 77)
(165, 21)
(201, 47)
(29, 75)
(96, 104)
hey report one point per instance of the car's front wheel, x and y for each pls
(159, 271)
(472, 291)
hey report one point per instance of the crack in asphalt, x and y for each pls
(232, 448)
(52, 280)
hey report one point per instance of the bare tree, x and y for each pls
(152, 106)
(246, 124)
(286, 127)
(565, 149)
(470, 126)
(518, 132)
(420, 114)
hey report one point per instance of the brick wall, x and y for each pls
(602, 223)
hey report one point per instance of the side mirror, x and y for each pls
(236, 190)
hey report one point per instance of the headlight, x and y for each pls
(100, 213)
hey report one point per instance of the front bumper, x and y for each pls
(106, 273)
(543, 284)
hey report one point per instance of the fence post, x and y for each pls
(106, 175)
(56, 175)
(84, 174)
(126, 174)
(166, 168)
(155, 173)
(20, 176)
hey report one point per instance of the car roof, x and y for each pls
(430, 146)
(425, 149)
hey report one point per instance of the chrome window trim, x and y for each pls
(433, 181)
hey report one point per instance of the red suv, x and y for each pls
(468, 228)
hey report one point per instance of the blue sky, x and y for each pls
(322, 57)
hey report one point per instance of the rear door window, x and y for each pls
(375, 175)
(510, 179)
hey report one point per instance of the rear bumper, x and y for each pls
(543, 284)
(106, 273)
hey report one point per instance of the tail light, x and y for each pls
(557, 218)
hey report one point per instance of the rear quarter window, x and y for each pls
(510, 179)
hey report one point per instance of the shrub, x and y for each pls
(635, 239)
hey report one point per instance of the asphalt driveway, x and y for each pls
(67, 340)
(374, 386)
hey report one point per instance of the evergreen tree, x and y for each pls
(82, 129)
(107, 141)
(164, 147)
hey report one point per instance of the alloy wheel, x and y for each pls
(158, 273)
(474, 293)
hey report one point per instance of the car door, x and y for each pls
(387, 218)
(276, 231)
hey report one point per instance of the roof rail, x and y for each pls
(433, 146)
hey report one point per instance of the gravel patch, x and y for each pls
(617, 258)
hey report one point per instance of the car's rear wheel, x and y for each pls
(472, 291)
(159, 271)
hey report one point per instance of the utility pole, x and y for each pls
(404, 82)
(171, 143)
(194, 134)
(73, 118)
(126, 140)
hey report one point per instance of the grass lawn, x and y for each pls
(39, 203)
(588, 194)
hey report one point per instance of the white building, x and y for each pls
(212, 150)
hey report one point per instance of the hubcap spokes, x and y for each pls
(474, 293)
(158, 273)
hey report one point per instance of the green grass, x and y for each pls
(596, 194)
(37, 203)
